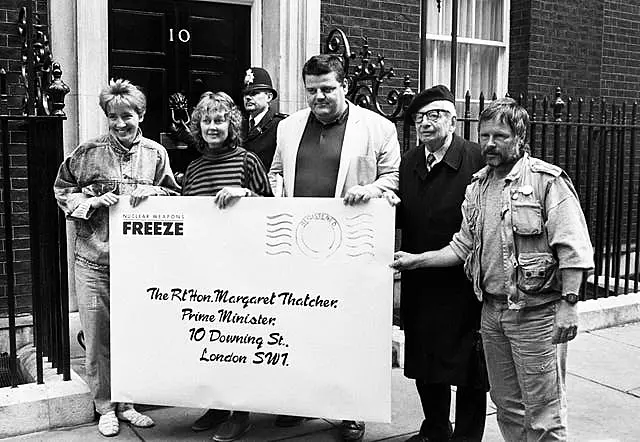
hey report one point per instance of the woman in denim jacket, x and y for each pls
(121, 162)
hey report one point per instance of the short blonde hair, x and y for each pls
(123, 91)
(218, 102)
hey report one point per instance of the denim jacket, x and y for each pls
(103, 165)
(542, 231)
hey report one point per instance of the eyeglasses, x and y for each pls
(431, 115)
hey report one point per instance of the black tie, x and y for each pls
(431, 158)
(252, 124)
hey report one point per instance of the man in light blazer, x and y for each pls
(334, 149)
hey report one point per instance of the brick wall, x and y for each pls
(391, 26)
(519, 36)
(620, 74)
(565, 47)
(10, 57)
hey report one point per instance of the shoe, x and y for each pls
(108, 424)
(135, 418)
(285, 421)
(234, 427)
(418, 438)
(211, 419)
(351, 430)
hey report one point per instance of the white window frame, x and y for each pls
(502, 71)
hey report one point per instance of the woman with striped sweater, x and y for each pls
(225, 170)
(228, 172)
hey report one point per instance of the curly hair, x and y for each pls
(212, 103)
(508, 111)
(122, 91)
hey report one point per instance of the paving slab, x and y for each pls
(83, 433)
(610, 362)
(628, 334)
(406, 411)
(598, 413)
(174, 423)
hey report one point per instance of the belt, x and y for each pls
(495, 298)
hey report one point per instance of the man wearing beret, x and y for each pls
(262, 122)
(525, 246)
(440, 314)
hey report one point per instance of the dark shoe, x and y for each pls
(418, 438)
(211, 419)
(351, 430)
(284, 420)
(233, 428)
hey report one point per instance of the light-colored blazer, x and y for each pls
(370, 154)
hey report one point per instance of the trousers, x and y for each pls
(92, 290)
(526, 371)
(471, 411)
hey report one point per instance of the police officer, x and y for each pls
(262, 122)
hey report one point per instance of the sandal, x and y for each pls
(134, 418)
(108, 424)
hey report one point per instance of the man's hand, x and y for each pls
(229, 195)
(391, 198)
(357, 195)
(105, 200)
(566, 322)
(141, 193)
(404, 261)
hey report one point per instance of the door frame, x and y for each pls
(284, 37)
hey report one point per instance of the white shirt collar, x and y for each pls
(440, 153)
(260, 116)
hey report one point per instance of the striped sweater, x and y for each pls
(232, 167)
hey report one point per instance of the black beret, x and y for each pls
(435, 93)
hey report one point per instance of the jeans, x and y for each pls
(92, 290)
(526, 371)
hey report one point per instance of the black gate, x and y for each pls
(594, 141)
(31, 136)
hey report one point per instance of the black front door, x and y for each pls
(168, 46)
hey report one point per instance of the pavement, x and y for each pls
(603, 385)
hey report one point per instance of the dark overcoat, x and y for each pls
(439, 310)
(261, 140)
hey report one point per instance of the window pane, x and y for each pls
(465, 17)
(484, 70)
(438, 63)
(488, 20)
(476, 18)
(477, 68)
(433, 19)
(440, 22)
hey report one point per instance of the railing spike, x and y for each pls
(534, 99)
(558, 104)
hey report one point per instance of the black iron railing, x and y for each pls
(594, 141)
(41, 120)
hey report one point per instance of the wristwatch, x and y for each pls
(571, 298)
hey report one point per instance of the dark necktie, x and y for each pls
(252, 124)
(431, 158)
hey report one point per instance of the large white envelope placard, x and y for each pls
(277, 305)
